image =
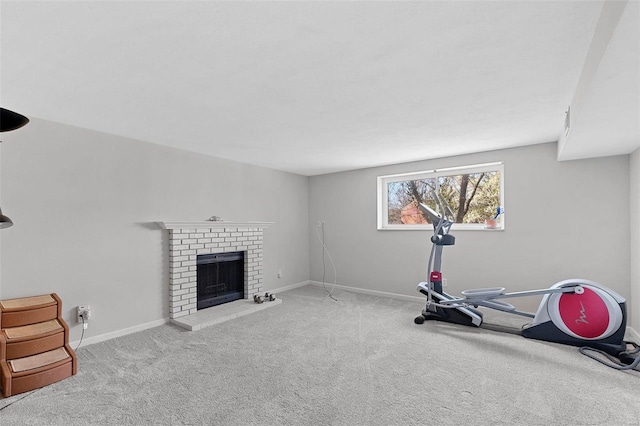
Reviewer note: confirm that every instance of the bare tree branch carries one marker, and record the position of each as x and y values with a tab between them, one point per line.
473	194
464	182
413	188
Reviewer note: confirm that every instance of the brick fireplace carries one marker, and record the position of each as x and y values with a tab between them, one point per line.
188	240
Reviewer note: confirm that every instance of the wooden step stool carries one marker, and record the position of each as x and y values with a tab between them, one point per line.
34	344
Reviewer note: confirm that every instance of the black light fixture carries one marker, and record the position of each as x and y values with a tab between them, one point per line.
9	120
5	222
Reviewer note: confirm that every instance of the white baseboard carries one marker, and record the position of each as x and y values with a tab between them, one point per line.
118	333
289	287
113	334
372	292
632	335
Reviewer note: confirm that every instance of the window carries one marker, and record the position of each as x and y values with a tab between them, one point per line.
474	194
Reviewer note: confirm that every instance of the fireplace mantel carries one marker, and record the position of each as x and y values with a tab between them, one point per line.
212	224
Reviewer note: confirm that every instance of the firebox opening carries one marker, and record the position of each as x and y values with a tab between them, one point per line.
220	278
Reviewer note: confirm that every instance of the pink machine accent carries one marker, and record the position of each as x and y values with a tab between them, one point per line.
585	315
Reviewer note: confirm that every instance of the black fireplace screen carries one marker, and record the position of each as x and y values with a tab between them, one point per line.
220	278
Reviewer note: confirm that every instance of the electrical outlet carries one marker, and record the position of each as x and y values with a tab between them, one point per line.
79	313
444	282
83	314
279	273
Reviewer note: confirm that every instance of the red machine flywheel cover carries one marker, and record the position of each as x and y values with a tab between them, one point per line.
584	314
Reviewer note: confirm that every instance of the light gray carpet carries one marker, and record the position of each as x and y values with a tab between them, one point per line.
358	361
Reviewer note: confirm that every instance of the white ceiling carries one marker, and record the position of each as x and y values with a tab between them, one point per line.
315	87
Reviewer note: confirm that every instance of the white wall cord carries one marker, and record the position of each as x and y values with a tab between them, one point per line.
325	251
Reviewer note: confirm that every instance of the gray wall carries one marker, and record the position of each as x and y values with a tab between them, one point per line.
635	240
84	203
563	220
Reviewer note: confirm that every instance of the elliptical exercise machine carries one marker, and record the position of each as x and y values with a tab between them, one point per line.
574	312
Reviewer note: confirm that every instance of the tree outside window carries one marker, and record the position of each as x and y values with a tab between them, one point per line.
474	195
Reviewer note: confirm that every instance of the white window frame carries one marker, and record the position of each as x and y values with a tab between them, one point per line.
383	196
